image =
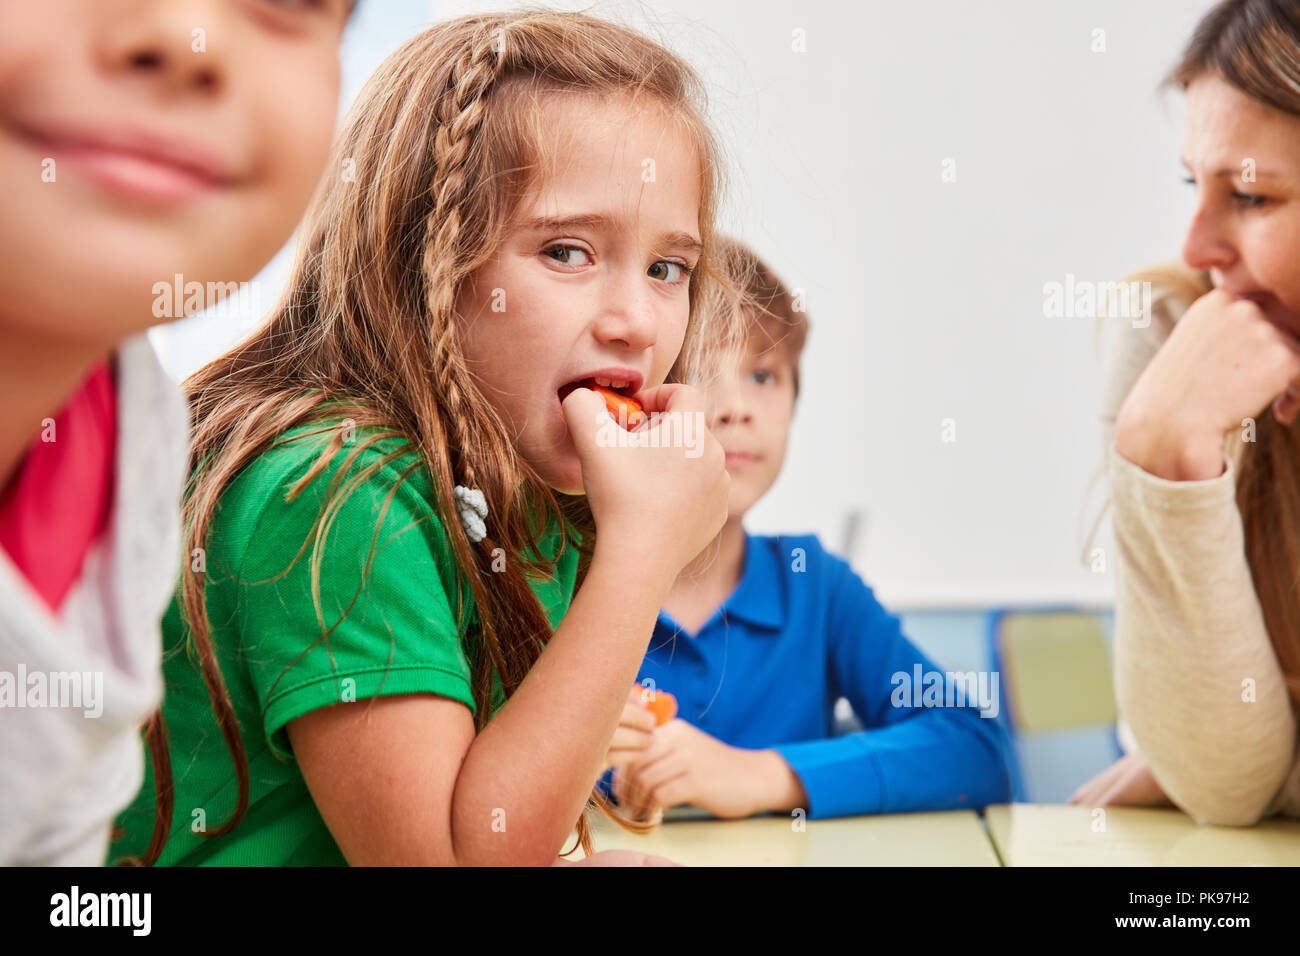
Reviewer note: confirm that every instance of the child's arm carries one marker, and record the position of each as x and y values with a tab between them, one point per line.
405	779
910	758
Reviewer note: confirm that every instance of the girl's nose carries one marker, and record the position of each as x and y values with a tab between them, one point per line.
629	317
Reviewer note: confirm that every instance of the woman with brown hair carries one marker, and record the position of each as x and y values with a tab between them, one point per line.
1205	463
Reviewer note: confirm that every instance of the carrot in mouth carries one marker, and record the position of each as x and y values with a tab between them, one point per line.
617	402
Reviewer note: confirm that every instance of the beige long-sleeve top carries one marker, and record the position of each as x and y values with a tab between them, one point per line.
1189	631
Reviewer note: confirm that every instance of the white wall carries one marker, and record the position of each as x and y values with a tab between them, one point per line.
926	297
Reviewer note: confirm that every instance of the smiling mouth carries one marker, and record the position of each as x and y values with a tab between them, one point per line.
133	163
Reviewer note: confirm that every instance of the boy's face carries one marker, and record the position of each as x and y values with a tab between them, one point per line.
750	408
141	139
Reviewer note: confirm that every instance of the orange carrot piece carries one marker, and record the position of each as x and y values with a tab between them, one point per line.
616	401
663	705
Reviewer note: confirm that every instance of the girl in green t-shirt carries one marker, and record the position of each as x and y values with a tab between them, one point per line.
399	481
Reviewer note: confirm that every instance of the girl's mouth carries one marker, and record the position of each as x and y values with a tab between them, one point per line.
617	394
621	386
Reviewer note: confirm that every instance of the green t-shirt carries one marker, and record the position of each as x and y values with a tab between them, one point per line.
400	636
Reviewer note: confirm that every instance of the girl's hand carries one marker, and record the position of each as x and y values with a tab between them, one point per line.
657	506
634	734
1126	782
683	764
1224	362
617	858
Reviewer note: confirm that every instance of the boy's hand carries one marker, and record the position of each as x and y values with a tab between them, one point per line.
634	733
683	764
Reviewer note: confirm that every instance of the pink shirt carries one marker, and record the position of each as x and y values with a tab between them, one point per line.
59	500
70	754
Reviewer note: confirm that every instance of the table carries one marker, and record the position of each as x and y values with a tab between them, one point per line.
1036	835
955	838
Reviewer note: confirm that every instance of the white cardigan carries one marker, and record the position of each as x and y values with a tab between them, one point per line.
66	772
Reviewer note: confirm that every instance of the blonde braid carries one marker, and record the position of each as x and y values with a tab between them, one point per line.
459	115
440	154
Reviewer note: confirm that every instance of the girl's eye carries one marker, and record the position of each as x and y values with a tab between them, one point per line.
762	376
567	255
664	270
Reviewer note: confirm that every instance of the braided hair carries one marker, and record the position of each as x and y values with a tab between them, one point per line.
433	159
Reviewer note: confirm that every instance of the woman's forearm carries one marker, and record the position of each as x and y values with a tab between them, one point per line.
1196	674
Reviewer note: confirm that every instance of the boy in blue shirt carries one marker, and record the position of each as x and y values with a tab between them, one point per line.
761	636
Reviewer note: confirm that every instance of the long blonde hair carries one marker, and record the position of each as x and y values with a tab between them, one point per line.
1254	45
435	156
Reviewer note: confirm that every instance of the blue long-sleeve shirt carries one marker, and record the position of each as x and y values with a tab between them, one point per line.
800	631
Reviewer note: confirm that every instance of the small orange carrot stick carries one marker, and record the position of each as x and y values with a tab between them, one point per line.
663	705
616	402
